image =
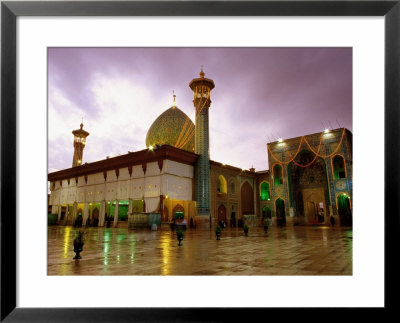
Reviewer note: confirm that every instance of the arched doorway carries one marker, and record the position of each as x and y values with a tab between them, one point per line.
95	217
308	187
344	210
280	211
247	199
221	213
63	212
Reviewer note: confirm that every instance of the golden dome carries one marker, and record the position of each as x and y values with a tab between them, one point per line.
173	127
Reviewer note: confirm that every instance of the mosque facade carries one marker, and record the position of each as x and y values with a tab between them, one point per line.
309	178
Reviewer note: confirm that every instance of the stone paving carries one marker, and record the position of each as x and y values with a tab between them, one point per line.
283	251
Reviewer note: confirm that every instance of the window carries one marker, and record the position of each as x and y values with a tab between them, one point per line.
338	167
278	175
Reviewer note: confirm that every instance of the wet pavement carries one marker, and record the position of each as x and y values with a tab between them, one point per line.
283	251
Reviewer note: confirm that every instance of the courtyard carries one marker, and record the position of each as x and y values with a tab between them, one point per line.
299	250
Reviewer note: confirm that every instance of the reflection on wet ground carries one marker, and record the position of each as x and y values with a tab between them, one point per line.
283	251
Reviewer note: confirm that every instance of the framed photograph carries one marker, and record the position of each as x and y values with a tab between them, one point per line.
275	190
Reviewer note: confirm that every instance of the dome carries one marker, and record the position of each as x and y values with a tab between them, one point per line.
173	127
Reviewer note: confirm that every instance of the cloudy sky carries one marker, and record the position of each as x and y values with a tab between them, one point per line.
260	94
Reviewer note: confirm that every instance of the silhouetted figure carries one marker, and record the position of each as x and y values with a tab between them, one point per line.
233	220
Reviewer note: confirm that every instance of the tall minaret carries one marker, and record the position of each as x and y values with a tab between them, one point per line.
79	144
201	88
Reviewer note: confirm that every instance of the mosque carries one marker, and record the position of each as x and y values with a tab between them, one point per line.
308	180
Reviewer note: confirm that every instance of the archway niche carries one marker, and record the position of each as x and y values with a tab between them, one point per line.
338	167
247	199
264	191
221	185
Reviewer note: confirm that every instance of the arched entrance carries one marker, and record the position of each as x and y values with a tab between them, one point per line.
63	212
247	199
221	213
95	217
308	187
280	211
344	210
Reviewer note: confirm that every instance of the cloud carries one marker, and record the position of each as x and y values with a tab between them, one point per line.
260	94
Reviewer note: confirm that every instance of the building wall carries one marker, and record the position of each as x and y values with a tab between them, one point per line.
173	180
231	200
326	146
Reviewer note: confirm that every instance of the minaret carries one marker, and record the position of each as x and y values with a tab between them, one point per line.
79	144
201	88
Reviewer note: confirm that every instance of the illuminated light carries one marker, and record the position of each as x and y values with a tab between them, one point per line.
66	240
166	196
280	140
151	148
79	161
326	131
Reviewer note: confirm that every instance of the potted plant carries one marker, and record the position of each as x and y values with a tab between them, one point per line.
218	231
246	230
179	236
266	225
79	241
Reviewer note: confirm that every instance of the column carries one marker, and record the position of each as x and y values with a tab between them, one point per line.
130	207
256	193
116	213
331	193
59	213
85	213
66	215
102	213
74	212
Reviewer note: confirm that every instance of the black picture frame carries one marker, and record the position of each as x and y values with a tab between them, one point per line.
10	10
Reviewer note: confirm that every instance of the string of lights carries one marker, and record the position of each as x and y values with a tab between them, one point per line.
187	137
333	153
316	153
183	131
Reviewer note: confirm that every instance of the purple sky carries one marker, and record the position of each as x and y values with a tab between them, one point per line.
260	94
